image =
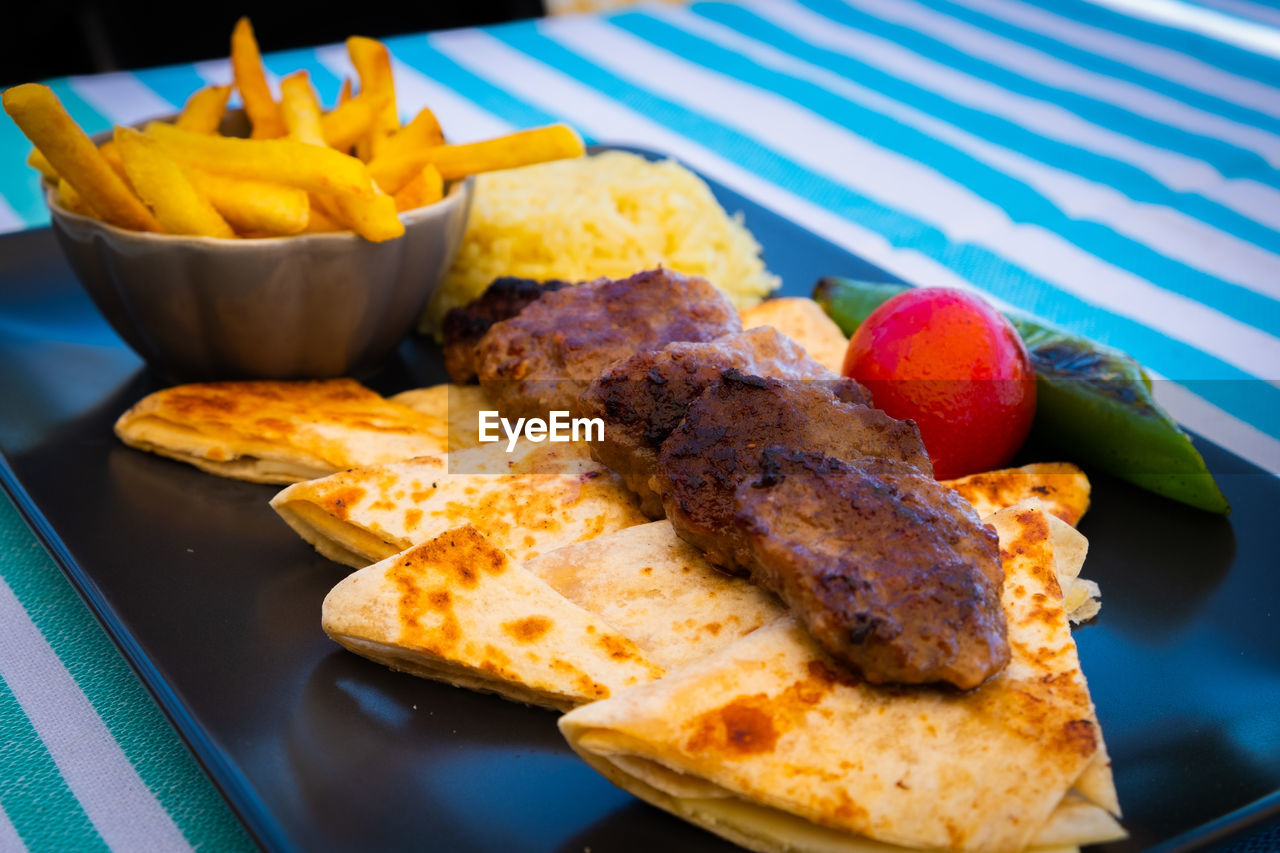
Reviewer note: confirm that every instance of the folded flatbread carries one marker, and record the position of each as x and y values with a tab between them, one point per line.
457	609
804	321
533	500
770	744
1081	598
279	432
460	405
1061	487
657	589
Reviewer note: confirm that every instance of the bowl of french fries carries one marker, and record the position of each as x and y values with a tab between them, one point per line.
280	240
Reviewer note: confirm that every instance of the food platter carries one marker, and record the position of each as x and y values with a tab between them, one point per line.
216	603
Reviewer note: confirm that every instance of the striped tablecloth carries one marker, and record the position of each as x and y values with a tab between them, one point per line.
1110	166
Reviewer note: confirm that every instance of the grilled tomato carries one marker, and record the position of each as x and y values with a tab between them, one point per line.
950	362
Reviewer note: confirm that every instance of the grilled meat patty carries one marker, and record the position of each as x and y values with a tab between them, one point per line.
717	446
544	358
893	574
642	399
466	325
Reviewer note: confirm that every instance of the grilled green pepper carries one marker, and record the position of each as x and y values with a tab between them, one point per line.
1092	401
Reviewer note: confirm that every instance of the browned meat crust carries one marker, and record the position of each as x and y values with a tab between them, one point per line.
643	398
544	358
466	325
718	445
893	574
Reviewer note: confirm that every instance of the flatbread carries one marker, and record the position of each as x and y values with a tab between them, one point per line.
1061	486
459	405
657	589
769	743
536	499
279	432
660	592
457	609
1082	598
804	321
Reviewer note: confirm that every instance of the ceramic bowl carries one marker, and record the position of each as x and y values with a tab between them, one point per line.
308	306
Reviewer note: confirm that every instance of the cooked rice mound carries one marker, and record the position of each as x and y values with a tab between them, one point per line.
612	214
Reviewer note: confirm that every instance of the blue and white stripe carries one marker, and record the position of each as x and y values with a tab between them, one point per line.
1112	172
1112	166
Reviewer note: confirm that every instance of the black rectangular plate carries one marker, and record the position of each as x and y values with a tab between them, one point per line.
216	603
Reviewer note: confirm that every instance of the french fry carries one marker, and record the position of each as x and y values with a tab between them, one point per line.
553	142
321	223
373	217
322	206
41	164
111	154
44	121
285	161
300	109
372	62
251	80
426	187
349	122
423	132
72	200
178	205
203	111
295	174
254	207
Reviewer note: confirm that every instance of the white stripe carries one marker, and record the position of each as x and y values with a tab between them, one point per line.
1179	172
1054	72
461	119
606	119
1157	59
1244	9
1185	16
1171	232
118	803
9	218
899	182
609	121
121	97
10	841
215	72
1224	429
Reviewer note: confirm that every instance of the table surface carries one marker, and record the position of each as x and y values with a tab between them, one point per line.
1108	166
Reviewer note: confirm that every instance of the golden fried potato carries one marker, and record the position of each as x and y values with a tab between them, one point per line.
179	206
43	120
251	81
524	148
350	121
254	207
204	110
300	109
372	61
41	164
421	133
285	161
427	187
72	200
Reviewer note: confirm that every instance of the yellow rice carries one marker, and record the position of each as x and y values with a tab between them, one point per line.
610	215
